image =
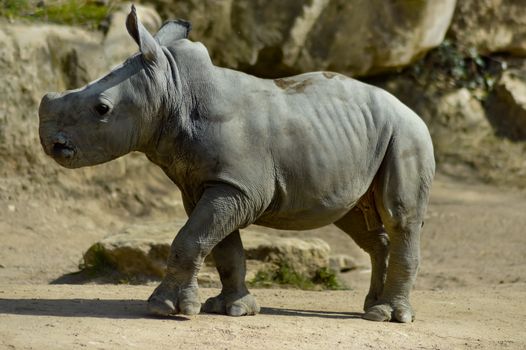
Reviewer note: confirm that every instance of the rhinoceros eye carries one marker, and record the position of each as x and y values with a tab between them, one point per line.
102	109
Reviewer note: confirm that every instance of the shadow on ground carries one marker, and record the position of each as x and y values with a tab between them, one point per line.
129	309
118	309
309	313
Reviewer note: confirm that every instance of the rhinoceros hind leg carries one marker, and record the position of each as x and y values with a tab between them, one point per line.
372	238
232	305
398	311
401	194
234	300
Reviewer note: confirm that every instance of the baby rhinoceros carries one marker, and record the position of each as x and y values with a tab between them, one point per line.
294	153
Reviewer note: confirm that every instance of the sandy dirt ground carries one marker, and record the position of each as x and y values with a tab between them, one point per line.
470	293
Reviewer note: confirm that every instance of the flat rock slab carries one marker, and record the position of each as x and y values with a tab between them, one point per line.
141	251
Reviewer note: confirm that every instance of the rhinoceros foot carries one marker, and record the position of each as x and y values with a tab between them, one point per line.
232	305
394	311
169	300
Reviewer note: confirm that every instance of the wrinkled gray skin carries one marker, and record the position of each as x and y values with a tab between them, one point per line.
294	153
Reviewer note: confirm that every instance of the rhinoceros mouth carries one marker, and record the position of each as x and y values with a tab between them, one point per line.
62	150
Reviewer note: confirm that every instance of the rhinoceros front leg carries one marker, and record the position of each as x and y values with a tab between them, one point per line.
234	300
220	211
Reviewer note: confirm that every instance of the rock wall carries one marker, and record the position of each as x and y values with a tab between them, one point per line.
388	40
274	38
36	58
491	25
507	104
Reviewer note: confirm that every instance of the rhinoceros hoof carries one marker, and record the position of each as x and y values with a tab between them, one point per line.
168	301
232	305
394	311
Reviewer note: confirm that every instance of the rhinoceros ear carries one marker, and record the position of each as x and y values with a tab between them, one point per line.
171	31
147	44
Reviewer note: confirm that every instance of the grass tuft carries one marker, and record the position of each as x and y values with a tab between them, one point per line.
87	13
96	261
285	275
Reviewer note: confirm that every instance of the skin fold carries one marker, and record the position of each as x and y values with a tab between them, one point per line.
294	153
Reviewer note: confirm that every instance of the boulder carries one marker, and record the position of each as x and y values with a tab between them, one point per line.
275	38
459	111
342	263
507	104
491	26
459	122
455	117
304	255
141	251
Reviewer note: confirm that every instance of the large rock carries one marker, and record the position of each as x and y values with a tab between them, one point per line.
273	38
459	122
507	104
455	117
141	251
463	129
306	256
491	25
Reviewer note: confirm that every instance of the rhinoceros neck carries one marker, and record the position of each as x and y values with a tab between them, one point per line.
188	101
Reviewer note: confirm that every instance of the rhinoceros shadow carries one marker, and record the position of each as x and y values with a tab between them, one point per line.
309	313
107	308
128	309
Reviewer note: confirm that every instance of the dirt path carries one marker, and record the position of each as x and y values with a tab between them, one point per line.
96	317
470	293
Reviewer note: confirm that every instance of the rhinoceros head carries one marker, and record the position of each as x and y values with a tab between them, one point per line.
119	112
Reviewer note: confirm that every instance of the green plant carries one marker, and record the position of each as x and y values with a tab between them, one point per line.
327	278
14	8
73	12
451	67
96	262
284	274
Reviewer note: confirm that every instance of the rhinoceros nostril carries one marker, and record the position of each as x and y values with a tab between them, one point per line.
62	150
60	139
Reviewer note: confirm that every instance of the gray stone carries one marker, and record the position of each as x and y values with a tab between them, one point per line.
141	251
277	37
35	58
507	104
342	263
491	26
459	123
306	256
